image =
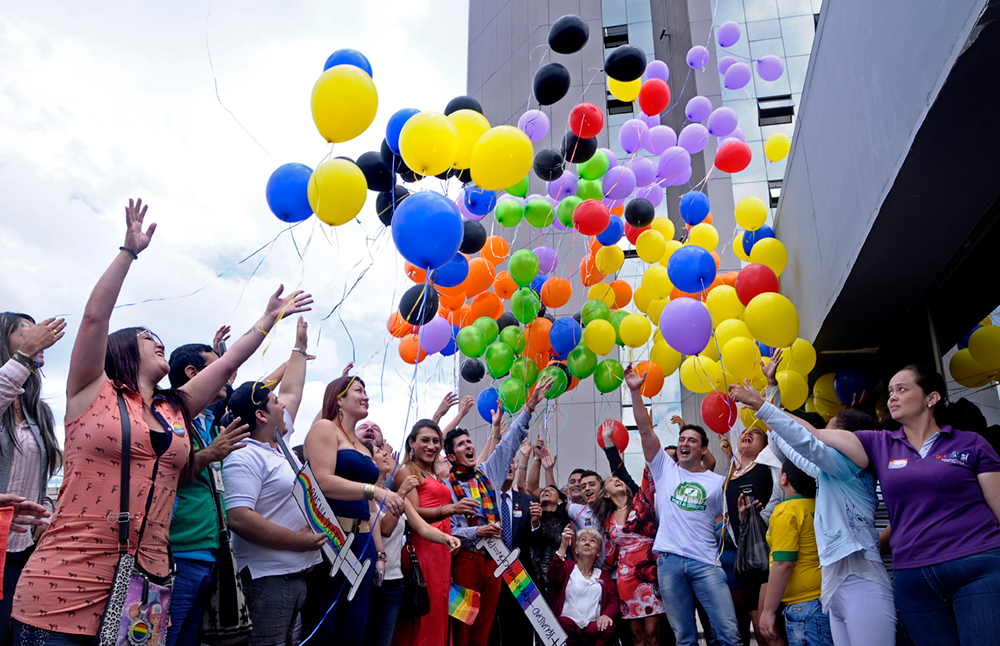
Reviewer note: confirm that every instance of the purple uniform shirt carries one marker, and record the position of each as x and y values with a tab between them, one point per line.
936	506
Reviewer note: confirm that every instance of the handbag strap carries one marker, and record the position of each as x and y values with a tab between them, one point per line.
124	517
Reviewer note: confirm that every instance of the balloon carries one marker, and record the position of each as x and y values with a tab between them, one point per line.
590	190
770	252
395	125
698	108
410	350
470	126
665	357
472	341
669	249
691	269
501	158
739	357
595	167
435	336
728	34
619	435
520	189
565	186
725	63
377	174
560	379
640	213
800	357
509	213
658	70
967	371
608	376
654	96
722	122
656	282
486	403
686	325
565	335
397	325
632	135
589	275
704	235
581	362
568	34
548	164
984	346
613	232
777	146
698	374
824	392
751	213
752	237
635	330
577	150
499	359
551	83
513	336
287	192
626	91
650	246
694	207
718	412
591	217
733	157
673	162
523	267
539	213
609	259
770	67
495	250
586	120
850	383
535	124
697	57
348	57
473	371
660	139
623	293
337	189
387	202
753	280
724	304
344	101
772	319
525	304
567	206
463	103
737	76
794	389
473	237
429	143
556	292
619	182
652	194
453	273
599	335
427	229
525	369
655	309
485	305
644	170
625	63
489	328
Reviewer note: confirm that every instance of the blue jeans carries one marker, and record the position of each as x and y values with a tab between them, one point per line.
952	602
192	586
806	624
25	635
383	612
11	573
681	581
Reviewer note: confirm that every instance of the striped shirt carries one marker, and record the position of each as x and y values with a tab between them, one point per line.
28	460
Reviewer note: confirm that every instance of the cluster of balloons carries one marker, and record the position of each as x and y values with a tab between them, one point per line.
977	362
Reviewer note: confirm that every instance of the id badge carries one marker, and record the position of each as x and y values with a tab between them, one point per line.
216	470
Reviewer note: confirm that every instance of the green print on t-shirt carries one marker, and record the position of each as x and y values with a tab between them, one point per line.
689	496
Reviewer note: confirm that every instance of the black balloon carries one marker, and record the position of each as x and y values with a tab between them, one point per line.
419	305
551	83
576	150
548	164
473	238
547	316
625	63
568	34
387	202
345	158
396	164
507	319
473	370
463	103
578	317
464	175
377	174
640	213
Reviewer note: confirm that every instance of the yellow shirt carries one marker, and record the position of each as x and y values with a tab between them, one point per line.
792	538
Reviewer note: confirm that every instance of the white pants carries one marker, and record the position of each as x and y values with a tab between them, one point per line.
862	612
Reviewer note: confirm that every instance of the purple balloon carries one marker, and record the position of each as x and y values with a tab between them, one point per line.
632	134
435	336
728	34
686	325
698	108
738	134
658	70
653	193
520	200
619	182
770	67
737	76
660	138
673	161
644	170
547	259
693	138
612	157
651	120
612	203
558	226
534	123
565	186
725	63
697	57
722	122
684	178
466	213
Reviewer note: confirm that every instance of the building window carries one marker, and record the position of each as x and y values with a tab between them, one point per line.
775	110
774	191
615	36
618	107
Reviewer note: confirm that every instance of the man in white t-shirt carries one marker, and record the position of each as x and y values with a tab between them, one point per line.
688	500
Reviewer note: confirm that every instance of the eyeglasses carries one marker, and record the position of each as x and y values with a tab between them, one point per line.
149	336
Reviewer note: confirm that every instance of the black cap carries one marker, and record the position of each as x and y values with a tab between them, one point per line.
246	400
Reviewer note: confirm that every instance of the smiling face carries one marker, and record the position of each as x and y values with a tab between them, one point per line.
907	401
574	485
152	359
752	443
465	452
425	447
368	431
355	402
689	449
384	462
589	486
549	496
614	487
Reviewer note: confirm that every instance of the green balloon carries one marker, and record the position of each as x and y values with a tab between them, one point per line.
514	337
616	322
524	304
499	359
513	394
526	370
590	190
593	310
581	361
559	381
523	267
565	210
520	189
508	213
489	328
609	375
472	342
539	213
595	167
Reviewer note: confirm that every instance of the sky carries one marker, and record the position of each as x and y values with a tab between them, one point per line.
103	102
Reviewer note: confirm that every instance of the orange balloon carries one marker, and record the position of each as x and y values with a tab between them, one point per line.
708	219
595	245
486	304
729	278
457	290
623	293
618	210
541	360
463	316
589	274
573	382
451	301
504	285
654	378
410	350
480	278
715	283
536	334
676	293
718	260
556	292
495	251
397	326
414	273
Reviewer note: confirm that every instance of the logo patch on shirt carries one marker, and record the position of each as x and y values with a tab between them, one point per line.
690	496
897	464
178	429
954	458
517	513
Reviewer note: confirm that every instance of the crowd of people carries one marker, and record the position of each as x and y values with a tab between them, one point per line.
777	543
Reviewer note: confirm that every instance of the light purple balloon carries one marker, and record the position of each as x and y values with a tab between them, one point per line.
698	108
436	335
697	57
684	178
737	76
466	213
564	186
686	325
611	203
725	63
551	200
619	182
558	225
508	196
693	138
653	193
644	170
770	67
722	122
728	34
651	120
672	162
725	140
738	134
632	135
658	70
534	123
660	138
612	157
547	259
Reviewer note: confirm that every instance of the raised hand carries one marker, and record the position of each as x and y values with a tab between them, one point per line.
525	448
771	368
497	419
568	534
536	397
449	400
746	395
549	460
135	240
726	448
221	336
409	484
41	336
632	380
677	421
227	441
301	334
347	369
278	307
607	429
536	513
467	403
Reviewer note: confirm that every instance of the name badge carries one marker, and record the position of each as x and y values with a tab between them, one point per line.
517	513
216	470
587	522
631	516
897	464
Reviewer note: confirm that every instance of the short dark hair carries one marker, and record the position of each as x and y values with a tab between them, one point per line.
576	471
190	354
672	446
246	400
591	474
800	481
815	419
449	439
852	419
698	429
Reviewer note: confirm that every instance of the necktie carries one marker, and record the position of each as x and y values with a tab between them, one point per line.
508	533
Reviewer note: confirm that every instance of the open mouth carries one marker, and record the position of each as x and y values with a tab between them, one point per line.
684	451
470	455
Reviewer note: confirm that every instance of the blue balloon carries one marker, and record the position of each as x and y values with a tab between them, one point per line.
849	383
349	57
427	229
452	346
395	126
453	273
487	402
750	238
565	334
479	201
964	343
694	207
691	269
613	233
765	351
538	283
287	192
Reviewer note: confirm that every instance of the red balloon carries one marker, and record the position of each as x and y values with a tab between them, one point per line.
718	412
591	217
753	280
633	233
654	96
586	120
733	157
619	435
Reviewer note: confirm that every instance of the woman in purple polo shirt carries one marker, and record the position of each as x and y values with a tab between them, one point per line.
942	488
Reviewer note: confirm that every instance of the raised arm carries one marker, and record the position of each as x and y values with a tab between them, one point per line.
615	462
650	442
16	371
463	409
522	469
449	400
532	487
496	466
290	393
496	434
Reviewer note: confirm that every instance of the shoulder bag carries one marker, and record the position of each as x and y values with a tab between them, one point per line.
416	600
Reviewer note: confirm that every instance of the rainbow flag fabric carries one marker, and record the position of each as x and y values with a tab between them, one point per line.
520	584
463	604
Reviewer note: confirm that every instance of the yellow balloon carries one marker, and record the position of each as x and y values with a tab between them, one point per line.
428	143
730	329
650	246
655	309
599	335
739	356
656	282
826	409
602	292
711	350
723	304
751	213
471	126
501	158
666	357
626	91
759	380
800	357
669	249
609	260
665	226
337	190
635	330
777	146
967	371
699	374
824	392
770	252
738	247
749	418
984	346
641	299
810	405
794	389
772	320
705	236
344	102
657	337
